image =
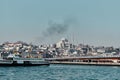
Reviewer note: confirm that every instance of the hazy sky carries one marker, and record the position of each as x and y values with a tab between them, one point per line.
94	22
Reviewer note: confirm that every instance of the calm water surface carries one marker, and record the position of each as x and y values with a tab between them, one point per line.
60	72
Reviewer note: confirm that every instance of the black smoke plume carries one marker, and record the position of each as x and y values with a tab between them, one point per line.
55	29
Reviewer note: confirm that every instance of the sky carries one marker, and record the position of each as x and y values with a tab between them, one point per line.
93	22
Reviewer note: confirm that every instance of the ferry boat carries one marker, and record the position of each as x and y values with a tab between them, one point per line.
17	61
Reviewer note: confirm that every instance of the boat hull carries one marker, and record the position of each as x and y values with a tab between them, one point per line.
8	65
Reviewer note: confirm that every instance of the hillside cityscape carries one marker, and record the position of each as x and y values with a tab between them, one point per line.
63	48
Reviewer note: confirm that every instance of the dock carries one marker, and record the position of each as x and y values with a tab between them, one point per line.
86	63
87	60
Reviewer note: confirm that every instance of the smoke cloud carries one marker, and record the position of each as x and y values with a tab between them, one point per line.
56	29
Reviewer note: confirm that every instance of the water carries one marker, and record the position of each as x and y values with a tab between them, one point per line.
60	72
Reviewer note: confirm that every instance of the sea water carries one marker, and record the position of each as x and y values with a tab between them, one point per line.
60	72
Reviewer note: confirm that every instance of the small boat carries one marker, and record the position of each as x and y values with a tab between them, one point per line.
17	61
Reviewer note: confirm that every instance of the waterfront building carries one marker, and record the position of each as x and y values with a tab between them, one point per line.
63	43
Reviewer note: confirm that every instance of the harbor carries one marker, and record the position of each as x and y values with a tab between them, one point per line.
63	52
59	39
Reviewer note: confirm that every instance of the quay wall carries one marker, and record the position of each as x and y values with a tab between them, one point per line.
100	61
85	63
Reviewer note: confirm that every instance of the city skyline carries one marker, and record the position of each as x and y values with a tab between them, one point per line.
89	21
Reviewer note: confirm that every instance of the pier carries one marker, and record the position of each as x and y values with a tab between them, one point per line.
87	60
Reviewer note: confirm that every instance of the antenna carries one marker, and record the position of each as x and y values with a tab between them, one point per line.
72	38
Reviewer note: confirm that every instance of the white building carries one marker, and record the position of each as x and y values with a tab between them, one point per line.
63	43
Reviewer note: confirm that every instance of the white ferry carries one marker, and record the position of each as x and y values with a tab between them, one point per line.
17	61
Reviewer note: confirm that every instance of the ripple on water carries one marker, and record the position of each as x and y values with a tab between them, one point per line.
60	72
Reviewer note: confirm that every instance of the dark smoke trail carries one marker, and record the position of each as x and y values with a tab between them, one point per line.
55	29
